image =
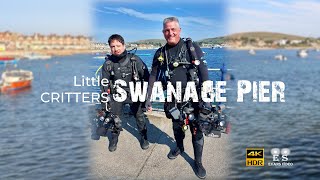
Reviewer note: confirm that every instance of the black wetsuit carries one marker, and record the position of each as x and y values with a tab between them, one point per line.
180	73
126	73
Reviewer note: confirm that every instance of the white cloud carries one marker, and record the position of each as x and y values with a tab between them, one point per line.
189	21
129	35
192	26
196	20
137	14
101	11
306	6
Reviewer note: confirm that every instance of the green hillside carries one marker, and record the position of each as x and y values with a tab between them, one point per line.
216	40
155	42
266	36
245	37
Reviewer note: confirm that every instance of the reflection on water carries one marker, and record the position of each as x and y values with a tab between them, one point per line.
39	140
22	91
293	124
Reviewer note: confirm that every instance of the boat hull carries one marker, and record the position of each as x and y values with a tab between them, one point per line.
15	80
16	86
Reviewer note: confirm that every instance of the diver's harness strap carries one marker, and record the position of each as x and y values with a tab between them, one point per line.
211	120
181	60
122	70
135	72
193	72
105	119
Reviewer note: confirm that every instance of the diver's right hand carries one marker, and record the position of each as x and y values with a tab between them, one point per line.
148	106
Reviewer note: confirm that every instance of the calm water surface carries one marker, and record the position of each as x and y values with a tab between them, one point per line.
50	140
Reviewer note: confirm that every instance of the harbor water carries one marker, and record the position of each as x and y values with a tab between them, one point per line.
50	140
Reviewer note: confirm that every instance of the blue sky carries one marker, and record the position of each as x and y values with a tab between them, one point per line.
143	19
46	16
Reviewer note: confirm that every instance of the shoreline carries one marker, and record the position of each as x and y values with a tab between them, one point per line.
265	48
22	53
270	48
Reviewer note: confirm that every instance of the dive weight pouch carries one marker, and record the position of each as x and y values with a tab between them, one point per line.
175	113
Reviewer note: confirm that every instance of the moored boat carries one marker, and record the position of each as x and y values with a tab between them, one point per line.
6	58
15	80
252	52
280	57
34	56
302	53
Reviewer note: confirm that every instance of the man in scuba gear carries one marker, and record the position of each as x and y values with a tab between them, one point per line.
130	68
179	60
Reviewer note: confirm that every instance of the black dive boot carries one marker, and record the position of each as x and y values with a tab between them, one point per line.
178	136
175	153
144	143
114	141
95	137
179	149
199	169
94	134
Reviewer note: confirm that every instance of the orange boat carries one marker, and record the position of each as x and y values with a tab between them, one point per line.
6	58
15	80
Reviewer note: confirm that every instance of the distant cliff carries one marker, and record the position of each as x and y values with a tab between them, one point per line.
154	42
262	40
246	40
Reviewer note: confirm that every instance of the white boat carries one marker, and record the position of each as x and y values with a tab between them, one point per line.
216	46
34	56
252	52
15	80
302	53
280	57
99	57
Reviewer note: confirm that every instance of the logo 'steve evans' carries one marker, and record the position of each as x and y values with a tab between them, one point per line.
280	157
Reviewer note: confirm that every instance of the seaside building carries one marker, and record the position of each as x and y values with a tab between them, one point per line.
16	41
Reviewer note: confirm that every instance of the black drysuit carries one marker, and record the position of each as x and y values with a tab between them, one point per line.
180	73
121	67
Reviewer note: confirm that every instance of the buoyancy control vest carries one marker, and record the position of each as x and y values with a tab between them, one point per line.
126	70
187	58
